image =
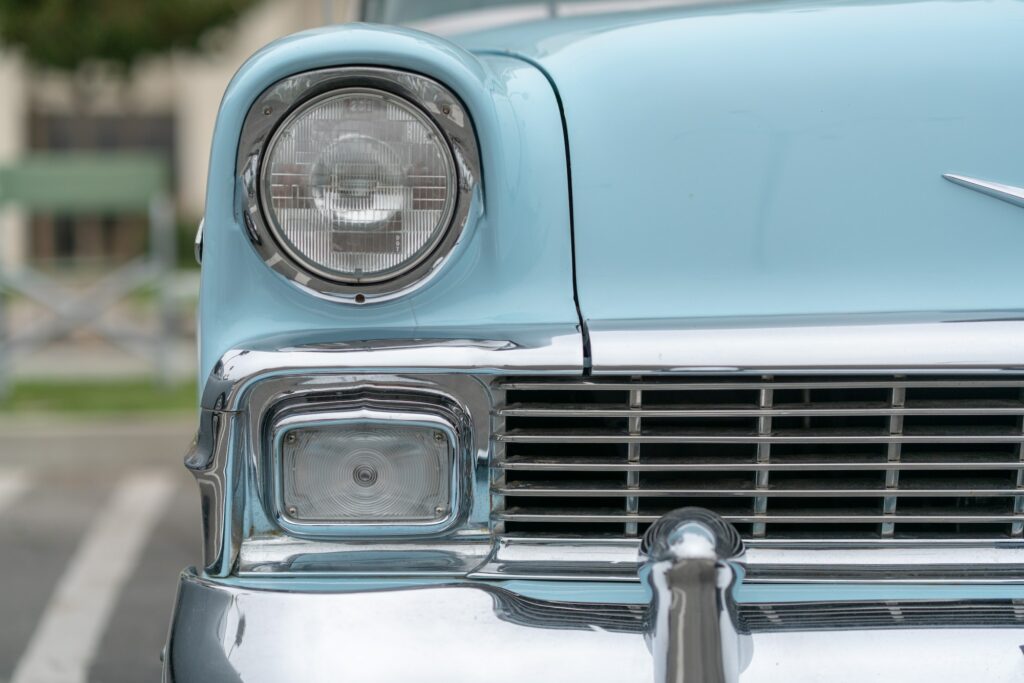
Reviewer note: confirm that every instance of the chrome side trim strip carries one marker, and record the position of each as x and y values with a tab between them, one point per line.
777	346
986	563
1008	193
541	349
894	561
613	559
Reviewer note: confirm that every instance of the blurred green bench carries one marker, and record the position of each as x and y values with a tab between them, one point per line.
90	184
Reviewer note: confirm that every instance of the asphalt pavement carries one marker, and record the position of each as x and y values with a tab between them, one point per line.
97	518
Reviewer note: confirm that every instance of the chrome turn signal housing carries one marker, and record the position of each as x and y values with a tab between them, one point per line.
365	464
365	468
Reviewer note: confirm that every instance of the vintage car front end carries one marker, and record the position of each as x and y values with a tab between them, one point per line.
650	347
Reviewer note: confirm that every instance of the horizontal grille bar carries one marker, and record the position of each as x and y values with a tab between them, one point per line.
514	515
808	457
583	491
606	465
559	436
655	384
554	410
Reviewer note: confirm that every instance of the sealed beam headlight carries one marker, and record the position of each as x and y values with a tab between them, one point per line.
359	185
366	470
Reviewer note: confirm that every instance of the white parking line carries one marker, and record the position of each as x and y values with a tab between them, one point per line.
66	637
13	482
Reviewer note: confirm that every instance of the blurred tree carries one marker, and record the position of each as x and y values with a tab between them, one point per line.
67	33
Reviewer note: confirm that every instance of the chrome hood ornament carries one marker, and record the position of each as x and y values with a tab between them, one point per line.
1008	193
690	558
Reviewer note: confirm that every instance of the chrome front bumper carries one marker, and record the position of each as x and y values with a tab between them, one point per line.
470	632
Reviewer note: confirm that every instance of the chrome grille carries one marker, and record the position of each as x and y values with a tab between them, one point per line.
782	458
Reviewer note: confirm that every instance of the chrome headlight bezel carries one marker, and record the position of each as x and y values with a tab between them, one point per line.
276	105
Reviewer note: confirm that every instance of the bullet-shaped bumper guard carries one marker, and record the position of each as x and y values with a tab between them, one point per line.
690	560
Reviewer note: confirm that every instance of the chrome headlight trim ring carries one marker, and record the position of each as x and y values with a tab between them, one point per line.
278	103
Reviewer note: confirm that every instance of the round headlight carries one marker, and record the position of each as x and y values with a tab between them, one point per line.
358	186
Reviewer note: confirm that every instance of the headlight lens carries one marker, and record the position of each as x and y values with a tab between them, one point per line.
365	472
359	185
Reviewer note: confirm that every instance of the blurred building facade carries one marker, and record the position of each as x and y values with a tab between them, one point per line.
166	105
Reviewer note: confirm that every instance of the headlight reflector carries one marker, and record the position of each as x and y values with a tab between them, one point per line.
366	471
359	185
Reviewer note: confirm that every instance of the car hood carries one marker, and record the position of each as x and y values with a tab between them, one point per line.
787	159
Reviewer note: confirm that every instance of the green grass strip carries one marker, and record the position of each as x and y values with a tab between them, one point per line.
99	396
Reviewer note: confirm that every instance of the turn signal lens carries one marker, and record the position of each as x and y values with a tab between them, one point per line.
366	472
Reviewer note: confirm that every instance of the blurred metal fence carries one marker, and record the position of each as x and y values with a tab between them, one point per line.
79	184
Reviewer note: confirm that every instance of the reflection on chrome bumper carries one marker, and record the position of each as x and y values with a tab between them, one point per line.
472	631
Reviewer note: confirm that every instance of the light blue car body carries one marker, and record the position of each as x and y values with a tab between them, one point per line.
780	159
786	158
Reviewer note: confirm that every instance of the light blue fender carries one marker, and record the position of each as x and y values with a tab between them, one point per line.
515	264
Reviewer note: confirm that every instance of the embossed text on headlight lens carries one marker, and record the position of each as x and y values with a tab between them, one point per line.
359	185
